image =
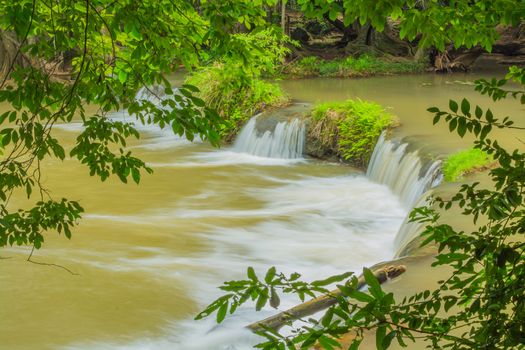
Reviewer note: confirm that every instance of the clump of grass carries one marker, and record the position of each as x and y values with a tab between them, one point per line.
464	162
363	66
348	129
235	95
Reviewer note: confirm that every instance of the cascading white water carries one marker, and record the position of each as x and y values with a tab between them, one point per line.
286	141
403	171
409	230
406	175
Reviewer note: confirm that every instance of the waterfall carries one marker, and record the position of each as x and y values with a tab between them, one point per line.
403	171
285	141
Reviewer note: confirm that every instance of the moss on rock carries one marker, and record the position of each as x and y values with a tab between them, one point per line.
465	162
347	130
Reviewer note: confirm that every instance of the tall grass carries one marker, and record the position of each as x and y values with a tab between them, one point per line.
365	65
349	129
463	162
235	95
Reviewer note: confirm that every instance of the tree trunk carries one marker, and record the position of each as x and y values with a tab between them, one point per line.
456	60
283	15
9	54
320	303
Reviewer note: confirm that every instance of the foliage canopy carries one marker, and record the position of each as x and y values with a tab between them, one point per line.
108	50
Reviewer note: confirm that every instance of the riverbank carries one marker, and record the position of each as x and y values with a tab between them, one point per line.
350	67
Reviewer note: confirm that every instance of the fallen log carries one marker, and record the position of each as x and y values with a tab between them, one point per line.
320	303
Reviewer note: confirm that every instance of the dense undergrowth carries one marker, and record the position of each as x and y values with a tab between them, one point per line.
237	91
234	96
363	66
463	162
348	130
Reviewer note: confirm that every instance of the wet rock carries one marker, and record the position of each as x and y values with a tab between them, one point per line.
300	35
314	27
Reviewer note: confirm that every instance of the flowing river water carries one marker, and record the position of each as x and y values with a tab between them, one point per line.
148	258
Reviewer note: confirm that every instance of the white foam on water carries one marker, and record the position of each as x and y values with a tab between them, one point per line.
153	136
226	157
408	177
316	226
286	141
403	171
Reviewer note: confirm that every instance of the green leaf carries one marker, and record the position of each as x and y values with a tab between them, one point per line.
275	301
332	279
328	343
135	174
251	274
380	336
479	112
453	123
221	314
122	76
465	107
261	300
373	283
360	296
387	340
453	105
333	14
355	344
270	275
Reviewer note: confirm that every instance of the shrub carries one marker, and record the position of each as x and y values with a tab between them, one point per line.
365	65
305	67
235	95
348	129
463	162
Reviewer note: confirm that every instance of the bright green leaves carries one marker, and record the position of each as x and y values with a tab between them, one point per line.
28	226
350	307
234	94
373	284
462	121
101	53
351	128
438	24
265	291
457	164
93	149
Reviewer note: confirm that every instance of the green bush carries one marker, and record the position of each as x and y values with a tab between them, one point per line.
365	65
235	95
463	162
306	66
349	129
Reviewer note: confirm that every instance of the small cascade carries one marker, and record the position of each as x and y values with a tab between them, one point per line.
286	140
409	230
403	171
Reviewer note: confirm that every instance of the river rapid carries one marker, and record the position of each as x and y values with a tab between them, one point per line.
148	258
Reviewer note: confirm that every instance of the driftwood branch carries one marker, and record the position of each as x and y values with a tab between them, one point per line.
320	303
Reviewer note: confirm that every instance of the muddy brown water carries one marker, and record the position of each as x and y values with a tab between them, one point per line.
149	257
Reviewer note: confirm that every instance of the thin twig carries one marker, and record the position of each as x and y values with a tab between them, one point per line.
49	264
